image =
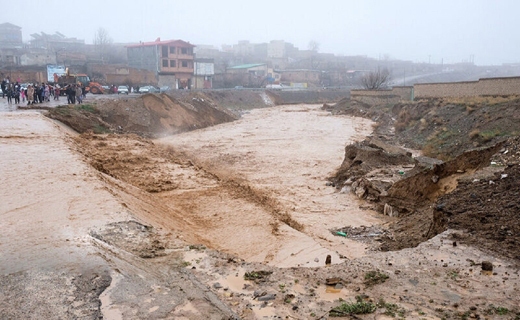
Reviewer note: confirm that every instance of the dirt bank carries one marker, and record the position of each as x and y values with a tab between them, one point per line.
473	134
149	115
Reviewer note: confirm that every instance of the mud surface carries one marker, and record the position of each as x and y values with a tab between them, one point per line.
239	221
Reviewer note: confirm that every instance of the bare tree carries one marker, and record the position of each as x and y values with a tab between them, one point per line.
313	46
102	41
375	80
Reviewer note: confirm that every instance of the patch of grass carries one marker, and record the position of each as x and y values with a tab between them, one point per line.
392	309
375	277
63	110
100	129
501	311
488	135
256	275
346	308
289	298
480	100
197	247
86	107
453	275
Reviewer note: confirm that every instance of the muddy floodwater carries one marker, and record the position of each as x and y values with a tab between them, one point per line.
287	152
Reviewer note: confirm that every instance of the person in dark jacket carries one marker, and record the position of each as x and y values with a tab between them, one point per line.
4	87
9	93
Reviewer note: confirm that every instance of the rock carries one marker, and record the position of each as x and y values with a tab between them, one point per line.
267	297
328	260
217	285
487	266
338	286
360	192
388	210
332	281
435	179
316	260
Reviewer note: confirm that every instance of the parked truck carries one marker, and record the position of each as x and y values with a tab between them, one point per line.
81	79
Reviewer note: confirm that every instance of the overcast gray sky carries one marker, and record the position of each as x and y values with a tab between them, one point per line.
420	31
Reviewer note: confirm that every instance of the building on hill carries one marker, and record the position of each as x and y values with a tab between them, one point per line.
251	75
56	42
203	73
10	36
171	60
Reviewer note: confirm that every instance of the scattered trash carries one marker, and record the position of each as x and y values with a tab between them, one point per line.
340	233
504	175
401	172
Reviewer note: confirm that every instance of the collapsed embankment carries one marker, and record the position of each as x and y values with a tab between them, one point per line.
424	193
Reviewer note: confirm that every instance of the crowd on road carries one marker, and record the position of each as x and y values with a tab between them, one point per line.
35	93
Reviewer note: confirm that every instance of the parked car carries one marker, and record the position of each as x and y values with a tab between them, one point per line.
148	89
275	86
164	89
122	89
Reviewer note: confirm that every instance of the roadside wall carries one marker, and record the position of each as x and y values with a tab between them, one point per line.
482	87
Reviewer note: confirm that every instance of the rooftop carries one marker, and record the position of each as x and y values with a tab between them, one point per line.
158	42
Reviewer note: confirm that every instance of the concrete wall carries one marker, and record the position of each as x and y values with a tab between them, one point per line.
482	87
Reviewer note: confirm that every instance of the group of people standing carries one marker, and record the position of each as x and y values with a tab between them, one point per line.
75	93
41	93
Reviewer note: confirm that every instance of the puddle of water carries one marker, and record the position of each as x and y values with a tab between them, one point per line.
196	258
264	312
330	294
109	311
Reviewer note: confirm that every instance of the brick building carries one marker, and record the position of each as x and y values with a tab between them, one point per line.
172	61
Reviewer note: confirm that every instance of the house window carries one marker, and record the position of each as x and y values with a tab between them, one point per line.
172	50
173	64
184	50
165	63
164	51
184	64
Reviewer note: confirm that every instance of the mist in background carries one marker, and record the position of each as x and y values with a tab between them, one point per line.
478	31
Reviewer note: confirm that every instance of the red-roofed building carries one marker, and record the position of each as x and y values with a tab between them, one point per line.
171	60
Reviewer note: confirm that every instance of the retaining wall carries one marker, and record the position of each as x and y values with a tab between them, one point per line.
482	87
